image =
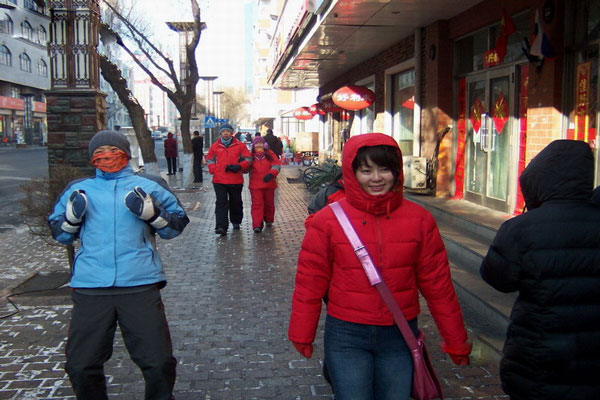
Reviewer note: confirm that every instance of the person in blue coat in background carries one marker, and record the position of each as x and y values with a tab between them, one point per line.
117	273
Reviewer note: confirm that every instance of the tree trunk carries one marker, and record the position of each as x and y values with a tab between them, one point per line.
112	74
187	159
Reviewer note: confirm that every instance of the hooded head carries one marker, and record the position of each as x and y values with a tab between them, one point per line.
375	204
109	138
563	170
260	140
170	135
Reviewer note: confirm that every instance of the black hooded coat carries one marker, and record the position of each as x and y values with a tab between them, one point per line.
551	256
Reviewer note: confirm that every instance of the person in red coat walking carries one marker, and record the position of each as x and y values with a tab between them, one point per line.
226	159
263	182
365	351
171	154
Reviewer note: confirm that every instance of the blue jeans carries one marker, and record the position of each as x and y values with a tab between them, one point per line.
368	362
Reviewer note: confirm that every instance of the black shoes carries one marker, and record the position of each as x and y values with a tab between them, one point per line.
236	227
258	229
220	231
269	223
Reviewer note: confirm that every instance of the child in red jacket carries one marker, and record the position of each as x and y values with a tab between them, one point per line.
265	168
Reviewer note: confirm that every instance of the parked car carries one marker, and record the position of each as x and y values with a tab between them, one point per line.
157	135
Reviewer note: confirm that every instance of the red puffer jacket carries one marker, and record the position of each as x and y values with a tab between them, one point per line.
404	243
219	157
262	167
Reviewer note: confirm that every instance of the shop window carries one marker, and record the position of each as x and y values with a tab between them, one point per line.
403	105
5	56
6	25
26	30
25	62
291	126
470	50
42	68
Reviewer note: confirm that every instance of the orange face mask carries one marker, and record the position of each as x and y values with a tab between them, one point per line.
107	161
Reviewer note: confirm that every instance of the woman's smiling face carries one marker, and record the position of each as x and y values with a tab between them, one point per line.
374	179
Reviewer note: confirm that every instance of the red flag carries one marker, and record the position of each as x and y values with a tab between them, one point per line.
507	28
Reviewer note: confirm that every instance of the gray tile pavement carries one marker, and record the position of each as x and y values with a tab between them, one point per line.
227	302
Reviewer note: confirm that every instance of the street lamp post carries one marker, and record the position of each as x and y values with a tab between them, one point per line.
217	97
209	104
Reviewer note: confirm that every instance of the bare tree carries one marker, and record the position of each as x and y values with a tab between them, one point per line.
233	103
153	61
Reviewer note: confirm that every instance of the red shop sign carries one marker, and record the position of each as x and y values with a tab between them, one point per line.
303	113
353	97
316	109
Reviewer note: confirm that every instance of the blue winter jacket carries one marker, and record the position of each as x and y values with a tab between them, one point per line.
117	249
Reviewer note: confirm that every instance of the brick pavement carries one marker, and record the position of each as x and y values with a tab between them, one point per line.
227	301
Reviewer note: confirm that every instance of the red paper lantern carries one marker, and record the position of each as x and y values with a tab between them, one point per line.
353	97
303	113
329	107
316	109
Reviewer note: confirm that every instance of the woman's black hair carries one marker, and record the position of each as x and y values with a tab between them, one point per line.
382	155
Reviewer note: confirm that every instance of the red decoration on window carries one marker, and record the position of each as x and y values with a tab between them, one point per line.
500	113
353	97
303	113
475	115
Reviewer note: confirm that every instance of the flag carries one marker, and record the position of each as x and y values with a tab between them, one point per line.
507	28
541	46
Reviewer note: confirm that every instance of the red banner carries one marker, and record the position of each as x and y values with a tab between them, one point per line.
523	96
12	103
461	122
582	103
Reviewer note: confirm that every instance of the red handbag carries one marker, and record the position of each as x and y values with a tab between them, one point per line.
425	383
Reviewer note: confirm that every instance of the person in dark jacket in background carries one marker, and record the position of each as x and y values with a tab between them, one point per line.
274	143
551	256
227	158
171	154
198	149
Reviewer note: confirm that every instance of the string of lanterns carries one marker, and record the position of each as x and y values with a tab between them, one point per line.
346	98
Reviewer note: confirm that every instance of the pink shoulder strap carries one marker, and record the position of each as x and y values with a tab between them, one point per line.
374	276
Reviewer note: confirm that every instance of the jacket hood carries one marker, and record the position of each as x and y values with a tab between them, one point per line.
563	170
358	198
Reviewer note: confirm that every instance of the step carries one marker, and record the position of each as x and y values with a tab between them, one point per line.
467	231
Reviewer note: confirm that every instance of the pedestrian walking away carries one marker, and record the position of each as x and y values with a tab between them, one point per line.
263	182
171	154
198	149
365	352
274	143
550	255
227	158
117	275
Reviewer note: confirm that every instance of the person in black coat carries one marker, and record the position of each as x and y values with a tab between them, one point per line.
551	256
198	149
274	143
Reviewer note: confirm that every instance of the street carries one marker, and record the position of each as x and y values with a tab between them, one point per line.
227	301
18	166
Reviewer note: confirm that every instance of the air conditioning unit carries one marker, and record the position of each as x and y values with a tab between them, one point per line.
415	172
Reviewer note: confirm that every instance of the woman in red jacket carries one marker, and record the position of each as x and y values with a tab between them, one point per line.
171	154
365	352
264	170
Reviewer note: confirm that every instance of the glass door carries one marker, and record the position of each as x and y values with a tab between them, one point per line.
490	114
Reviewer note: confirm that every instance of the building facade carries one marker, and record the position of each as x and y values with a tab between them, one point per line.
24	71
506	77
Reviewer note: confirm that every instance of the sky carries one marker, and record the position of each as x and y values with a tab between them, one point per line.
221	48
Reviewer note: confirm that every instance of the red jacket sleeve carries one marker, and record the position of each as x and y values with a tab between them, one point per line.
210	159
312	283
435	283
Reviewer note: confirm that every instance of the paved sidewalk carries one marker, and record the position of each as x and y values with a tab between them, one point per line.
227	301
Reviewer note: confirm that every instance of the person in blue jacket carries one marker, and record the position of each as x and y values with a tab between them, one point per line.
117	273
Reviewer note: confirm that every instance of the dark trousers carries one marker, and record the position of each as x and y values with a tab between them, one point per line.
198	168
172	164
141	318
229	201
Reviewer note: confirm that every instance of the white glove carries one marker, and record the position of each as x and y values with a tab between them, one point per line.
143	206
75	211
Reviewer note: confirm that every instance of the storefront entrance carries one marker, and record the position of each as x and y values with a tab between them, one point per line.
490	116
